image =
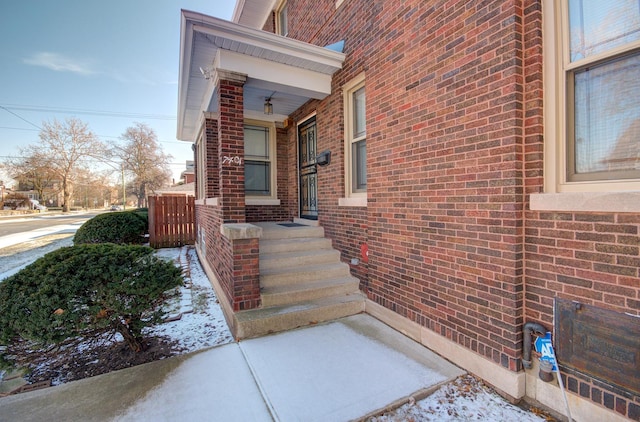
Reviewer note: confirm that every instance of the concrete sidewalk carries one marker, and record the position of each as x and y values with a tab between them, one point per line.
338	371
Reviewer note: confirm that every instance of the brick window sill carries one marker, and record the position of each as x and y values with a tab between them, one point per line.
586	201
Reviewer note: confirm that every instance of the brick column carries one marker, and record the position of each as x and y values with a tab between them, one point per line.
245	250
231	146
212	170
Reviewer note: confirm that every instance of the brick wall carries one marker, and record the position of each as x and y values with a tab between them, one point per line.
231	145
454	149
592	258
589	257
444	221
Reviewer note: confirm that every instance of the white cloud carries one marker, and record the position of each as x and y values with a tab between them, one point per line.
60	63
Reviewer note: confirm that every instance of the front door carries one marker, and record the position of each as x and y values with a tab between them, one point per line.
308	172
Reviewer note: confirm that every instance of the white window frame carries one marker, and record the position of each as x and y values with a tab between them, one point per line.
201	186
352	197
272	198
560	193
280	10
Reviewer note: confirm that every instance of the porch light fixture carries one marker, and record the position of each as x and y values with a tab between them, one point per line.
268	107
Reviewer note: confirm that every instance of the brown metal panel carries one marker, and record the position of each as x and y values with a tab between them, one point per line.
598	342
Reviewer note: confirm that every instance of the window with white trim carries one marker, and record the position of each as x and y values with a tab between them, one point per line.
282	19
355	133
592	95
259	160
200	168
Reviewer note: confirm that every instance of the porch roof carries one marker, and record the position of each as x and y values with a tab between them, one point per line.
289	71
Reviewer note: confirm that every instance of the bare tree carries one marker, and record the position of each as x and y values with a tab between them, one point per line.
31	172
144	159
64	150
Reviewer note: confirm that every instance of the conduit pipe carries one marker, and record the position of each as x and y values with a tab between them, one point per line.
529	328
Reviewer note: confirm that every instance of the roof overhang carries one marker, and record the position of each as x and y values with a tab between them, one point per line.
253	13
288	71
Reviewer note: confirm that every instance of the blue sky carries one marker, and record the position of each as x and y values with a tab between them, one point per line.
107	63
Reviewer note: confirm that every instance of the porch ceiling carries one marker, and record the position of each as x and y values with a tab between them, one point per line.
289	71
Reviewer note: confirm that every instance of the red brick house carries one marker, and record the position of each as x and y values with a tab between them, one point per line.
472	165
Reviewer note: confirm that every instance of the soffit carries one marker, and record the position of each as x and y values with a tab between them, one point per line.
289	71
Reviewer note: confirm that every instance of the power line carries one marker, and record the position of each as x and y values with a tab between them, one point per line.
69	110
20	117
100	136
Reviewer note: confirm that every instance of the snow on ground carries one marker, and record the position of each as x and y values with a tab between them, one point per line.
464	399
201	323
15	257
197	322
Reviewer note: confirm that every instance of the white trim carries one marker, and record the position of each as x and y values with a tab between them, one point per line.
347	90
555	67
339	3
267	73
195	91
273	161
278	12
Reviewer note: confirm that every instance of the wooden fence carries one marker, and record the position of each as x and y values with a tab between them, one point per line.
171	221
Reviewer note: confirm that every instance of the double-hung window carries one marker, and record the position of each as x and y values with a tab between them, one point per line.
282	19
592	95
355	139
259	171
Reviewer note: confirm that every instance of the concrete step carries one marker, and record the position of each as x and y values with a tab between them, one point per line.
286	295
272	277
291	245
298	258
272	231
273	319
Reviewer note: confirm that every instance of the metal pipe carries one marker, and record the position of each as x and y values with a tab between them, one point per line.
530	327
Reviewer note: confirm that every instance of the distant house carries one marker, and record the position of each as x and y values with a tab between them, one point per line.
453	156
189	175
186	189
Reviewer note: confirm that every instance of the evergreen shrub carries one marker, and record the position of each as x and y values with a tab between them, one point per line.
84	289
115	227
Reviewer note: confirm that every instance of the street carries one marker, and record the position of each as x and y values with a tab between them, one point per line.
10	226
23	240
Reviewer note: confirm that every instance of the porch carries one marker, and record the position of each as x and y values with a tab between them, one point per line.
300	279
238	87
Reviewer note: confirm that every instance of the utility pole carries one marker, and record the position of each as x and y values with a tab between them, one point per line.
124	193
